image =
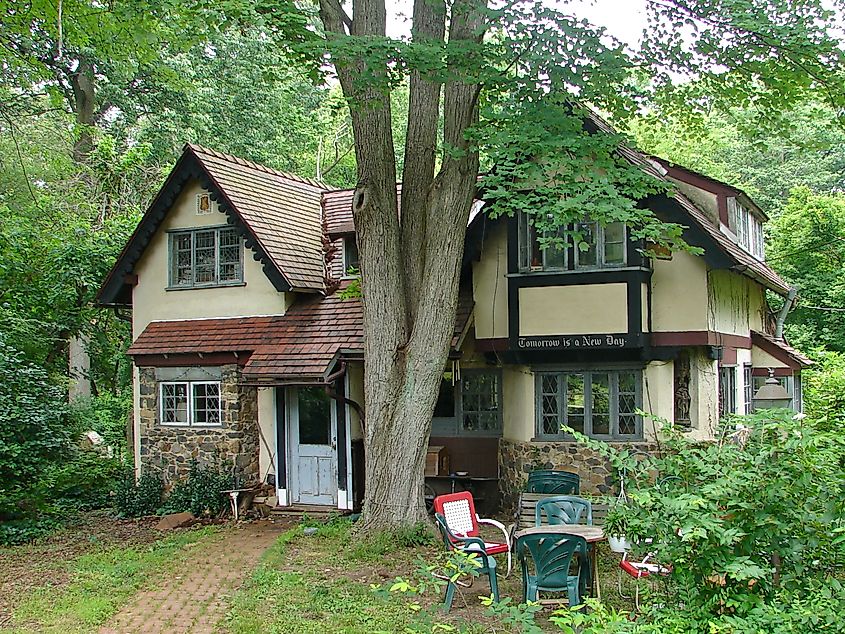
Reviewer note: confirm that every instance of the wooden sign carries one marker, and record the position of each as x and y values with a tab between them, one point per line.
576	342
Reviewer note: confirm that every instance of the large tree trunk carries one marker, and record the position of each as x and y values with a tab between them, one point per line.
410	272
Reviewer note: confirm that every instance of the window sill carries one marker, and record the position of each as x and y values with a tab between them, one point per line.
189	426
571	439
579	271
197	288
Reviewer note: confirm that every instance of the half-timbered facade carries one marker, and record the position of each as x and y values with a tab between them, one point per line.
246	355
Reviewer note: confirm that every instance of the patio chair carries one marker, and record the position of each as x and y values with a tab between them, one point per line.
553	554
563	509
458	511
551	481
487	565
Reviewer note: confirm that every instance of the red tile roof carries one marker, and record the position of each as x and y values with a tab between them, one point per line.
780	349
299	346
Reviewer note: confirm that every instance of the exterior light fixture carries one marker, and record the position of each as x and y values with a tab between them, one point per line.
771	395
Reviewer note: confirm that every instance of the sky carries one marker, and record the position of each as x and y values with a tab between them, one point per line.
624	19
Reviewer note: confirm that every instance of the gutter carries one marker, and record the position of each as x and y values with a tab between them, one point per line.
784	311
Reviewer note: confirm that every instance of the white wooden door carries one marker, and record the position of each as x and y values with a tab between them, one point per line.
313	443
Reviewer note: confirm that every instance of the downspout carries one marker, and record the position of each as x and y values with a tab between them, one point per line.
784	311
330	380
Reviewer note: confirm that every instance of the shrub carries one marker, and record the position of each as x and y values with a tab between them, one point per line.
138	498
200	493
106	414
744	521
33	433
84	481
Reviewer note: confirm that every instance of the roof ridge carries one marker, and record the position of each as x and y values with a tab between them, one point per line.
196	148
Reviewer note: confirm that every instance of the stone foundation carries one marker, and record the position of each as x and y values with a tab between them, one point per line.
233	446
517	459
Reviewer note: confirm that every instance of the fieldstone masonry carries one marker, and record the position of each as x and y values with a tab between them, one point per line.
170	450
517	459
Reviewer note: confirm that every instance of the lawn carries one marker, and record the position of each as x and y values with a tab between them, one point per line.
327	583
75	580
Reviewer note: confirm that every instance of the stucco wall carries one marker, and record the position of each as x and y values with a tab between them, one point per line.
234	446
736	303
490	286
762	359
152	301
679	294
517	403
707	201
573	310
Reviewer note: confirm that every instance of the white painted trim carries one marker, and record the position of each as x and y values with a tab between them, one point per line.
282	494
342	500
347	494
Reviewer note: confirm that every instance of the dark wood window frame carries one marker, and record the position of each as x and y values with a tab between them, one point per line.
218	279
453	426
560	398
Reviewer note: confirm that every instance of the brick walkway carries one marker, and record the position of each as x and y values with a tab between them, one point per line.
194	598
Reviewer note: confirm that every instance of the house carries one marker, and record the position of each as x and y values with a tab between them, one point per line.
246	354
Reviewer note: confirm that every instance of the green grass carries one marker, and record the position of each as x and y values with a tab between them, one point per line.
101	582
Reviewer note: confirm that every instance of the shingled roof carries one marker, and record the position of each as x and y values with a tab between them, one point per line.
743	262
780	349
278	214
299	347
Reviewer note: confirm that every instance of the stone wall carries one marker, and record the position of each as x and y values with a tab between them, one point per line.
169	451
518	458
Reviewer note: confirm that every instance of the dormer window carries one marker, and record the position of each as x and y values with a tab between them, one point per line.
205	257
351	264
604	245
747	228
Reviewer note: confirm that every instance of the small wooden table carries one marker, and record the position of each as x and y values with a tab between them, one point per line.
591	534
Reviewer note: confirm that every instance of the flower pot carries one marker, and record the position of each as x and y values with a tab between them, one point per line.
618	543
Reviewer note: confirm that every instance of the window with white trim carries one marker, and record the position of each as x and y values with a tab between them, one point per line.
747	227
727	390
748	388
190	403
792	385
205	257
598	403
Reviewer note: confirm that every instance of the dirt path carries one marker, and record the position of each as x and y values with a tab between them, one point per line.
194	598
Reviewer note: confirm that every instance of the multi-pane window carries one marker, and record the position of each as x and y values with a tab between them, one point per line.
595	403
190	403
205	257
601	246
748	388
535	257
727	390
470	406
480	402
792	385
747	227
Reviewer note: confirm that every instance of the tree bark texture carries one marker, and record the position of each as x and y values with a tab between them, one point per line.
410	264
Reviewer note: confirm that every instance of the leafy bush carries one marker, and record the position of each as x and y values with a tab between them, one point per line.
33	432
138	498
85	480
745	522
200	493
824	390
105	414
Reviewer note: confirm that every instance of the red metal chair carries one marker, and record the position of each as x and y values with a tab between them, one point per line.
458	510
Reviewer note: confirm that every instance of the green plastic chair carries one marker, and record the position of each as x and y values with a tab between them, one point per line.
563	509
553	555
467	545
551	481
